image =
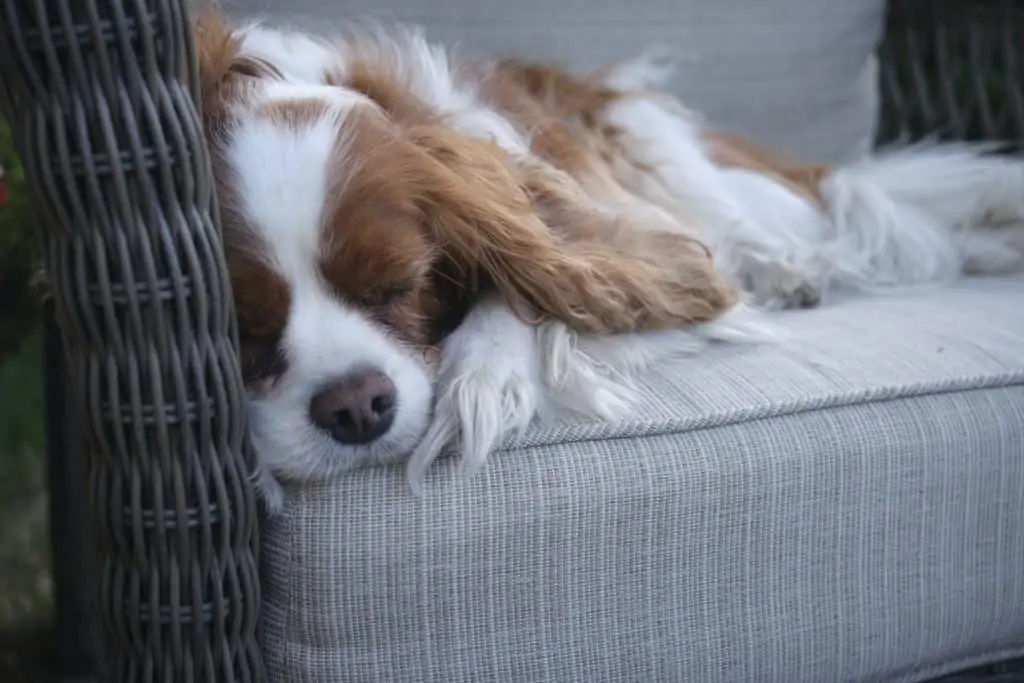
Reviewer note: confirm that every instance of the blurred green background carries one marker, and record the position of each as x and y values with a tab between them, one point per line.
25	586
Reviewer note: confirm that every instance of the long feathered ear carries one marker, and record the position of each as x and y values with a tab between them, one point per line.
549	252
224	74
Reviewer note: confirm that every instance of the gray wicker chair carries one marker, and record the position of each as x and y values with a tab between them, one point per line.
144	379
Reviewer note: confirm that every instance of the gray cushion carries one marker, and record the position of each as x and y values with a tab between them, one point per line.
796	74
848	506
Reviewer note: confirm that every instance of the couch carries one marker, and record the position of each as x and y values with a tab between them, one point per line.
847	506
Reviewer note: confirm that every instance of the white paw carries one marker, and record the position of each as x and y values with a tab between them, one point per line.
773	284
487	388
595	376
585	377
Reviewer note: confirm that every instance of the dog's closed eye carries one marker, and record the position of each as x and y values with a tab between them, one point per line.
387	305
387	295
262	358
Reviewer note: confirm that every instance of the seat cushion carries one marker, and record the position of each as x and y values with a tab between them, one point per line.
846	506
795	74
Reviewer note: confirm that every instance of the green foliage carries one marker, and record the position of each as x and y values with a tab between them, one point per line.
19	302
21	420
25	584
24	564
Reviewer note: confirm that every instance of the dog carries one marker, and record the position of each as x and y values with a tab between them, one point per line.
428	252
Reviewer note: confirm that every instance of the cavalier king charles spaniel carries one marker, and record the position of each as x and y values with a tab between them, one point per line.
428	252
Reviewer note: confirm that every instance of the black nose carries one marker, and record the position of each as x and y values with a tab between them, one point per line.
356	409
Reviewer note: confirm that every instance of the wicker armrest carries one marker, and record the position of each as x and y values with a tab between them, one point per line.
101	97
952	69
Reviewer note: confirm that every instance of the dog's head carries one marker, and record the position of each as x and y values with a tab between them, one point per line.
355	241
359	226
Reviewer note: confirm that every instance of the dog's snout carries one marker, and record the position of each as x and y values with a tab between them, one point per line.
356	409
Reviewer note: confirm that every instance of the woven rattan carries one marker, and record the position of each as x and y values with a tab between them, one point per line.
953	69
101	96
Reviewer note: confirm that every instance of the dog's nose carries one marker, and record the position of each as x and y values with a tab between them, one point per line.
356	409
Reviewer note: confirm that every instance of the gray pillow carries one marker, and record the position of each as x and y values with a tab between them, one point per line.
795	74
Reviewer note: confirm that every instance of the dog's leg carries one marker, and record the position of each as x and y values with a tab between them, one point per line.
594	376
488	386
659	136
758	229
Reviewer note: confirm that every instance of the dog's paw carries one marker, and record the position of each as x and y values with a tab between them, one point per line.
487	388
798	294
774	285
588	377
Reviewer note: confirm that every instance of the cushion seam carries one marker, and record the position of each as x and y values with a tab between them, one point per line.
629	430
964	663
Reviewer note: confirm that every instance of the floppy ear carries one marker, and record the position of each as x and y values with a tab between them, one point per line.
552	254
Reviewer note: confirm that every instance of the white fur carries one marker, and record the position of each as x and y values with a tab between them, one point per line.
282	174
427	70
300	57
917	216
488	386
649	71
499	374
594	376
402	52
745	219
924	214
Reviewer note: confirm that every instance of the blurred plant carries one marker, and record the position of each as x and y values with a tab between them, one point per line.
19	301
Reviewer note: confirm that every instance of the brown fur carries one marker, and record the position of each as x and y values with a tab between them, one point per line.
262	298
553	138
733	151
576	104
376	254
581	100
563	96
431	217
591	273
224	75
538	237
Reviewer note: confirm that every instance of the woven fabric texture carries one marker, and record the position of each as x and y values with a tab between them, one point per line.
846	506
796	74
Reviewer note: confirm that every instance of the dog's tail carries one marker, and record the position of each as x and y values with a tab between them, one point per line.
927	213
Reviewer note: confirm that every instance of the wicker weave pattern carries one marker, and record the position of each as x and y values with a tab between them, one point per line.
101	95
953	69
